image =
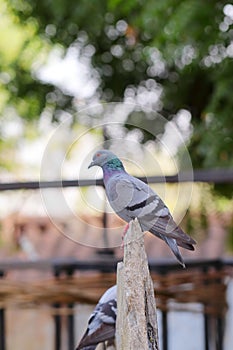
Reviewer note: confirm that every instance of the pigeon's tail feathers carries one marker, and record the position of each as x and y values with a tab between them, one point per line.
103	333
88	347
182	239
185	245
166	226
171	242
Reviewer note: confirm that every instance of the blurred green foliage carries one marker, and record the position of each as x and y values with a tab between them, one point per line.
184	45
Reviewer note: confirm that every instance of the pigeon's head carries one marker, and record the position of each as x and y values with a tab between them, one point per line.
105	157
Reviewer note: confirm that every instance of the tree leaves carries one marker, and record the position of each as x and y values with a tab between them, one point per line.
184	45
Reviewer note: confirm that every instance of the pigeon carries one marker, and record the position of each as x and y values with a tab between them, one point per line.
132	198
102	322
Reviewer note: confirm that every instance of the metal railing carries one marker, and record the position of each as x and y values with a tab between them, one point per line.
221	176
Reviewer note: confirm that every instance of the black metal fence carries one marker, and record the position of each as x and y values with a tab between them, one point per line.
221	176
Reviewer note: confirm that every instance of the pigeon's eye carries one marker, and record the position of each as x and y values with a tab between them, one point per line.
98	155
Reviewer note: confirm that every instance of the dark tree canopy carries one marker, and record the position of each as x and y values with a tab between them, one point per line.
186	46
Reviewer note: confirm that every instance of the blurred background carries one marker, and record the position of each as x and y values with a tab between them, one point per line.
152	81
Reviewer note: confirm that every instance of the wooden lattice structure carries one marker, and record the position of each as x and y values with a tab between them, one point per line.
185	286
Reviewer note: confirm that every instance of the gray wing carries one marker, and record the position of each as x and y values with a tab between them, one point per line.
101	325
131	198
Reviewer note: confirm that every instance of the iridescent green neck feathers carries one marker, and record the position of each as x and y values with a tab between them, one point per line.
114	164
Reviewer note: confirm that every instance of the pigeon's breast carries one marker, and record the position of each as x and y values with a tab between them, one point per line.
119	193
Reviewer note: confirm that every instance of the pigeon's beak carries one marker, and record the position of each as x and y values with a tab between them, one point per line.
91	164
